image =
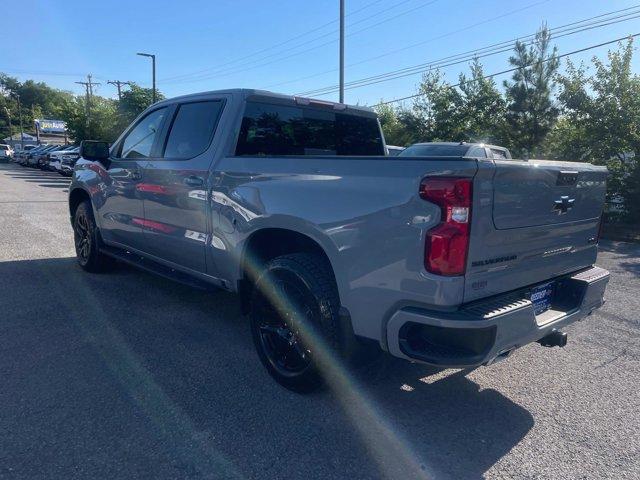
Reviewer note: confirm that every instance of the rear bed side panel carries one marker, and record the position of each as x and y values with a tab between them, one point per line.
537	244
365	210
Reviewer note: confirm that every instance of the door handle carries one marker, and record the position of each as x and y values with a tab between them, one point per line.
194	181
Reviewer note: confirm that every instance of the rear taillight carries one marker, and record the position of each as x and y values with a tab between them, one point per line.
447	244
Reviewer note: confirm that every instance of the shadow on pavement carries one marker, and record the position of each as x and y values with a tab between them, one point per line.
126	372
624	250
41	178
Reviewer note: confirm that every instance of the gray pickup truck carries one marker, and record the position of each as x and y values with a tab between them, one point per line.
334	248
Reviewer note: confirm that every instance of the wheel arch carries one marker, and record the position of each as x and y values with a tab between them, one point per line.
76	197
267	243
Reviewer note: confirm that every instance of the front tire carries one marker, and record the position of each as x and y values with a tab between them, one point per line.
294	319
87	241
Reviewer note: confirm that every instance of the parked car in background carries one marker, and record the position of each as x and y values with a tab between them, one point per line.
43	160
19	152
68	161
455	149
6	152
33	158
332	245
394	151
37	160
26	155
56	158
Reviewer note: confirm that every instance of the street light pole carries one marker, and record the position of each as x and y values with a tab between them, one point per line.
341	51
153	71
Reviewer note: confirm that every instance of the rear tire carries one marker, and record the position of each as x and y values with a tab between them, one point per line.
294	346
86	237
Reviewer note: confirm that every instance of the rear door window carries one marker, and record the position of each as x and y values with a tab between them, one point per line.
276	130
192	129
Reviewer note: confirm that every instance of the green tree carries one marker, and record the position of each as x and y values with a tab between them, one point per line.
410	125
133	102
605	110
482	107
531	111
37	100
388	122
397	125
102	123
437	109
566	141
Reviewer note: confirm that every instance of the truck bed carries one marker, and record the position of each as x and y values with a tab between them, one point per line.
367	215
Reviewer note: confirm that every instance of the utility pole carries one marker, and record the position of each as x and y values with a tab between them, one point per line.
341	51
21	129
118	85
88	85
6	109
153	71
36	124
91	84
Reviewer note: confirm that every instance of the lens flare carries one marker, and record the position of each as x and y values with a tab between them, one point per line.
392	452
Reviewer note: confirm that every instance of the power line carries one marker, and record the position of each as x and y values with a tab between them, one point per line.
40	72
88	85
248	66
501	47
468	27
185	77
285	42
118	84
481	51
516	68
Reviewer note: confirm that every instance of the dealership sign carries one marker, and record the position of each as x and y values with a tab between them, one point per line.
51	126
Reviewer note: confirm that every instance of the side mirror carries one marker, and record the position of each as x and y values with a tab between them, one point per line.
94	150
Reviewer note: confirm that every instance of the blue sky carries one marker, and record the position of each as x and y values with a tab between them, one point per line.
286	45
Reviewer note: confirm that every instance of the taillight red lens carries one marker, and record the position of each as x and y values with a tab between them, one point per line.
447	244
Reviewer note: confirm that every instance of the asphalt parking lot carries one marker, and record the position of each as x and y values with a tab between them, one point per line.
126	375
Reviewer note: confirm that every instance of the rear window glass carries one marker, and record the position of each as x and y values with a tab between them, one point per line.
435	151
192	129
289	130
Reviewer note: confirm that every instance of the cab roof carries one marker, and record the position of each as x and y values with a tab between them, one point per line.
247	93
462	144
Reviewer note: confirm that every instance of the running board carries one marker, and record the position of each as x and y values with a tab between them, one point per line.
156	268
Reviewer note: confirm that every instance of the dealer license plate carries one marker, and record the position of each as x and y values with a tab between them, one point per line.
541	297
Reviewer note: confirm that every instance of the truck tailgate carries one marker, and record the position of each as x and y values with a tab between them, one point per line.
532	221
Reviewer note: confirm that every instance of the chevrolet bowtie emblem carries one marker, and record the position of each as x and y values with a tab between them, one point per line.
563	205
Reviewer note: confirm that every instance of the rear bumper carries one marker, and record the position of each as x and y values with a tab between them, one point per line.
483	331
